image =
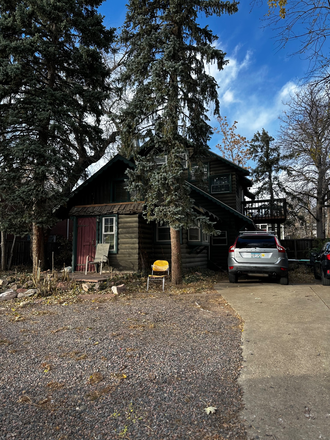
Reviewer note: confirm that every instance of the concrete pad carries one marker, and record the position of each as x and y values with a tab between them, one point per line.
286	350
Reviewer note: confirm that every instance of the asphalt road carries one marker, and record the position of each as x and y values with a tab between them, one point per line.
286	350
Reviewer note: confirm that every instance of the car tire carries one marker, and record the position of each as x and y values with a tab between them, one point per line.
284	281
232	278
325	281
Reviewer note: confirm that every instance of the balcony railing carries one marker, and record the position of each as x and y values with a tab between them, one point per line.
268	210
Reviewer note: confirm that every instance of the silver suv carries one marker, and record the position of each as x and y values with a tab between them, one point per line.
258	253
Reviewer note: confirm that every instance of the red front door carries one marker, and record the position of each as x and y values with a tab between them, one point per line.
86	241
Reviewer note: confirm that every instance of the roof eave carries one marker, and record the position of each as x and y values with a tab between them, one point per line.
223	205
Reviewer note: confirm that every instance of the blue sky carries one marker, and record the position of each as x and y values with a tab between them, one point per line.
259	76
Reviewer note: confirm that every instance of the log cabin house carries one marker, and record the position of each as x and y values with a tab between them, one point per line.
101	211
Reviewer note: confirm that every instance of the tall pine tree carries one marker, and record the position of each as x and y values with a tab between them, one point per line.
268	159
171	94
53	87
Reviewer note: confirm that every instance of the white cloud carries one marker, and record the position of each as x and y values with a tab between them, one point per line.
264	113
228	97
228	76
250	94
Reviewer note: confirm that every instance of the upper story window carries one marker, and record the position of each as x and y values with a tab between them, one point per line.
162	160
220	184
196	174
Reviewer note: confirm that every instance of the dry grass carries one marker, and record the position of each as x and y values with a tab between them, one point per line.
202	281
302	275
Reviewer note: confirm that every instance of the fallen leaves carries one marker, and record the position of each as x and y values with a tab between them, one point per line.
55	385
61	329
17	317
47	367
76	355
27	400
5	342
120	376
96	394
95	378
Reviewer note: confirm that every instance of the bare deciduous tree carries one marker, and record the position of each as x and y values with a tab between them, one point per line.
306	22
305	134
233	146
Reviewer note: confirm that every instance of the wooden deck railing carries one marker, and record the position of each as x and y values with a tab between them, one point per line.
265	210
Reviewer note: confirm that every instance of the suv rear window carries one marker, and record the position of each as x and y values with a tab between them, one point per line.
253	241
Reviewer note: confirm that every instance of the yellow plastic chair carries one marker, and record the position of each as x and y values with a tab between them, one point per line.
159	266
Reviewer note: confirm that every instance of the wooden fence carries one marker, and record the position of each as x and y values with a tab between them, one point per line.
300	248
22	254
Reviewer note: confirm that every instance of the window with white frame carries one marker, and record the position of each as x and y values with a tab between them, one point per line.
220	184
163	233
196	235
205	238
196	173
220	240
162	160
109	232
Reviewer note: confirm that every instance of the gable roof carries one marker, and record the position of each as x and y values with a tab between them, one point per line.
111	162
242	170
221	204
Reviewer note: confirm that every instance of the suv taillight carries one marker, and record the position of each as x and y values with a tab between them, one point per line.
233	247
327	256
279	247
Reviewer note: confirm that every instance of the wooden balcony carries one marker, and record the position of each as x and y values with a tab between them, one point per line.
266	211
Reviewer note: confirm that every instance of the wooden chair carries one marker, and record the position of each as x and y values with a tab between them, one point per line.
101	256
159	267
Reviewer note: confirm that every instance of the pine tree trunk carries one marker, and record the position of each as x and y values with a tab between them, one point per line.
176	257
38	251
3	251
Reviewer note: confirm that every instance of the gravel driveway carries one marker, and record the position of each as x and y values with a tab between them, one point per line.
131	368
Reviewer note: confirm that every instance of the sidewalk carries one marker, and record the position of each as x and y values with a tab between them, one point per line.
286	350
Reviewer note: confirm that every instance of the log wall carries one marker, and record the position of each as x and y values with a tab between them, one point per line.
162	251
127	257
217	167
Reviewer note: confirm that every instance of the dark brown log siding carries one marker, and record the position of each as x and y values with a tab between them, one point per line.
127	257
146	245
216	168
99	189
191	259
162	251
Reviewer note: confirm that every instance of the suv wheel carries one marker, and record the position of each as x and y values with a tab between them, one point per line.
325	281
284	281
232	278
